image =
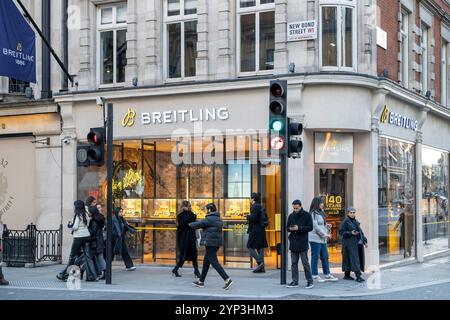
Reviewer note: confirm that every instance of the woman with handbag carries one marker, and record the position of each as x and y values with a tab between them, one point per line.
353	243
186	239
80	245
119	229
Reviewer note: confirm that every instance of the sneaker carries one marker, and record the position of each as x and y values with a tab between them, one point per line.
198	284
228	284
310	285
360	280
131	269
293	284
259	268
318	279
330	277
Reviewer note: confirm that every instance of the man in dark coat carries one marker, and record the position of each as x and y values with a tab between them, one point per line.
119	230
186	239
299	225
353	243
212	227
257	223
97	243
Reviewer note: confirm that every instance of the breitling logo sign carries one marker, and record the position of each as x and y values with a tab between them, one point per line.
129	119
387	116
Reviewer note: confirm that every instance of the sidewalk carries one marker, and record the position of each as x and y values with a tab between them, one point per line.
158	280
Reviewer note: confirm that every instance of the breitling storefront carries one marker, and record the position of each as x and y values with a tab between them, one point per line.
202	148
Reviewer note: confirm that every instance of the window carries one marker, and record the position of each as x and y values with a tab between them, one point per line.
112	47
444	73
256	39
404	45
17	86
424	58
435	182
338	42
181	38
396	200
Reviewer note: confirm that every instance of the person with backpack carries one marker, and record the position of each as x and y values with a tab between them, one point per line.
80	244
318	240
257	223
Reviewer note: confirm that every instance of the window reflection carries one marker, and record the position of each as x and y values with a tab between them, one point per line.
329	36
396	207
435	194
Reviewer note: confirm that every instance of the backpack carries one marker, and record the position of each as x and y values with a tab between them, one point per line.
264	221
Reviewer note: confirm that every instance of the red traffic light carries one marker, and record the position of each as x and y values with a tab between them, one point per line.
95	137
276	90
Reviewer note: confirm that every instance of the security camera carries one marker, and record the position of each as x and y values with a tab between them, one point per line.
100	101
66	140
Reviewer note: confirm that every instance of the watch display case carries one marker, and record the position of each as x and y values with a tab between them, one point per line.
132	209
199	207
164	209
236	209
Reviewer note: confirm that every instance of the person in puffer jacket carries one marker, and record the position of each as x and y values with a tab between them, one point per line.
212	227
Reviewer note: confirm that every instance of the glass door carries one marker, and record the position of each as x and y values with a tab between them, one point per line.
333	184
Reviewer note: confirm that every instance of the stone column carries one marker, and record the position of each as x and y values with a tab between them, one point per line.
281	52
202	63
418	195
225	59
153	54
86	74
69	173
131	70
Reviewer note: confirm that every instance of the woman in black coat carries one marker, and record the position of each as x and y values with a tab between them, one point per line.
186	239
97	243
257	223
353	243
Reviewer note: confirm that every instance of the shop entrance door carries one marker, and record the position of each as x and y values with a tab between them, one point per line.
333	183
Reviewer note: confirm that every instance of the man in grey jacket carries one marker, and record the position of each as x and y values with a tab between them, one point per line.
3	281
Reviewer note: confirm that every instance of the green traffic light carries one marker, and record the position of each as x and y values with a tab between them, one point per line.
277	125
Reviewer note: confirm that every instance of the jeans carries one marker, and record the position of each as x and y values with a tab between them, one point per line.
100	262
77	245
295	257
257	254
211	258
125	255
319	250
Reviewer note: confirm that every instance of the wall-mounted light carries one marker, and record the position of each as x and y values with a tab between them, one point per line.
292	67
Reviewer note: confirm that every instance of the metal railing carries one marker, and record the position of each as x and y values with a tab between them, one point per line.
31	246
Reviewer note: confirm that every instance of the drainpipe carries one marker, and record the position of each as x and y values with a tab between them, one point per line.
46	65
65	40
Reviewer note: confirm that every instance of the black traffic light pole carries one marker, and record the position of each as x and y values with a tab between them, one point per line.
284	202
109	201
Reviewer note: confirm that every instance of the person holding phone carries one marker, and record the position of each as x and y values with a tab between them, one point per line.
353	244
299	225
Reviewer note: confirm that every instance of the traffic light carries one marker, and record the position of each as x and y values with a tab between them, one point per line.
277	114
295	130
96	151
